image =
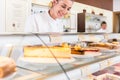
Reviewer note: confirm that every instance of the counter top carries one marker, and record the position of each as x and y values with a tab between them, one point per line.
80	66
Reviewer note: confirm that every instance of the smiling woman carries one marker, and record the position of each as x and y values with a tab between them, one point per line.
60	8
49	21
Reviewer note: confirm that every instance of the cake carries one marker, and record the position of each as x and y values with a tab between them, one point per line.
47	52
7	66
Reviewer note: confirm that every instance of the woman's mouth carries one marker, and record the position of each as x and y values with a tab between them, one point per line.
60	14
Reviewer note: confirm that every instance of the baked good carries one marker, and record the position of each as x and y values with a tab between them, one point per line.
7	66
44	52
104	45
79	52
77	47
64	44
114	42
83	51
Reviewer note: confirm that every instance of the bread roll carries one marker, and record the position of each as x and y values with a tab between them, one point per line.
7	66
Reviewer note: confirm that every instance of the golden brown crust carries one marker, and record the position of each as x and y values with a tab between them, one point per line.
105	45
44	52
7	66
83	50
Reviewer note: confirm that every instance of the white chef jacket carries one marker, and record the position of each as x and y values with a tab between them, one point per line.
43	22
102	30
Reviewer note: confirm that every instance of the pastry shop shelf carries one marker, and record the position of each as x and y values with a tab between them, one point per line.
76	67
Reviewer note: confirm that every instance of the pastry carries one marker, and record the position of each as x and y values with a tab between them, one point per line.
47	52
7	66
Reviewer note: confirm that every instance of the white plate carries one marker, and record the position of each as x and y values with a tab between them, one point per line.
93	54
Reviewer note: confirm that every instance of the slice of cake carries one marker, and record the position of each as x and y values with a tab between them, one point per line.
44	52
7	66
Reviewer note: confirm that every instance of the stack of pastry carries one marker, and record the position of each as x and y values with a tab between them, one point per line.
79	50
104	45
7	66
76	49
47	52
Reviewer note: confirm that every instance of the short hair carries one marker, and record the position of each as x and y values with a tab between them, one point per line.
103	22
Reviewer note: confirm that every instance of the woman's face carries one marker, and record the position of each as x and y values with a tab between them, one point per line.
60	8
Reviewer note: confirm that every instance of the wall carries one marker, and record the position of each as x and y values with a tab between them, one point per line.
98	3
116	5
2	16
115	23
78	8
13	14
116	9
41	2
16	13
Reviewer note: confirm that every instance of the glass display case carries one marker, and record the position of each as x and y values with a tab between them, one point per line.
74	68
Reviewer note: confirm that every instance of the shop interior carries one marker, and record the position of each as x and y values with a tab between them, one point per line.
80	52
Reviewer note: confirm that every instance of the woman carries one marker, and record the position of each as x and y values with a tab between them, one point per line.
49	21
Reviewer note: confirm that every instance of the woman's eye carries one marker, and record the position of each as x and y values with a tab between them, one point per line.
68	9
64	7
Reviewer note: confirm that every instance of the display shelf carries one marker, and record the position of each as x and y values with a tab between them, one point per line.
75	69
79	67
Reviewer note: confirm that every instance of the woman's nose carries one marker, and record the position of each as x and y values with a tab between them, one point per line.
65	11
